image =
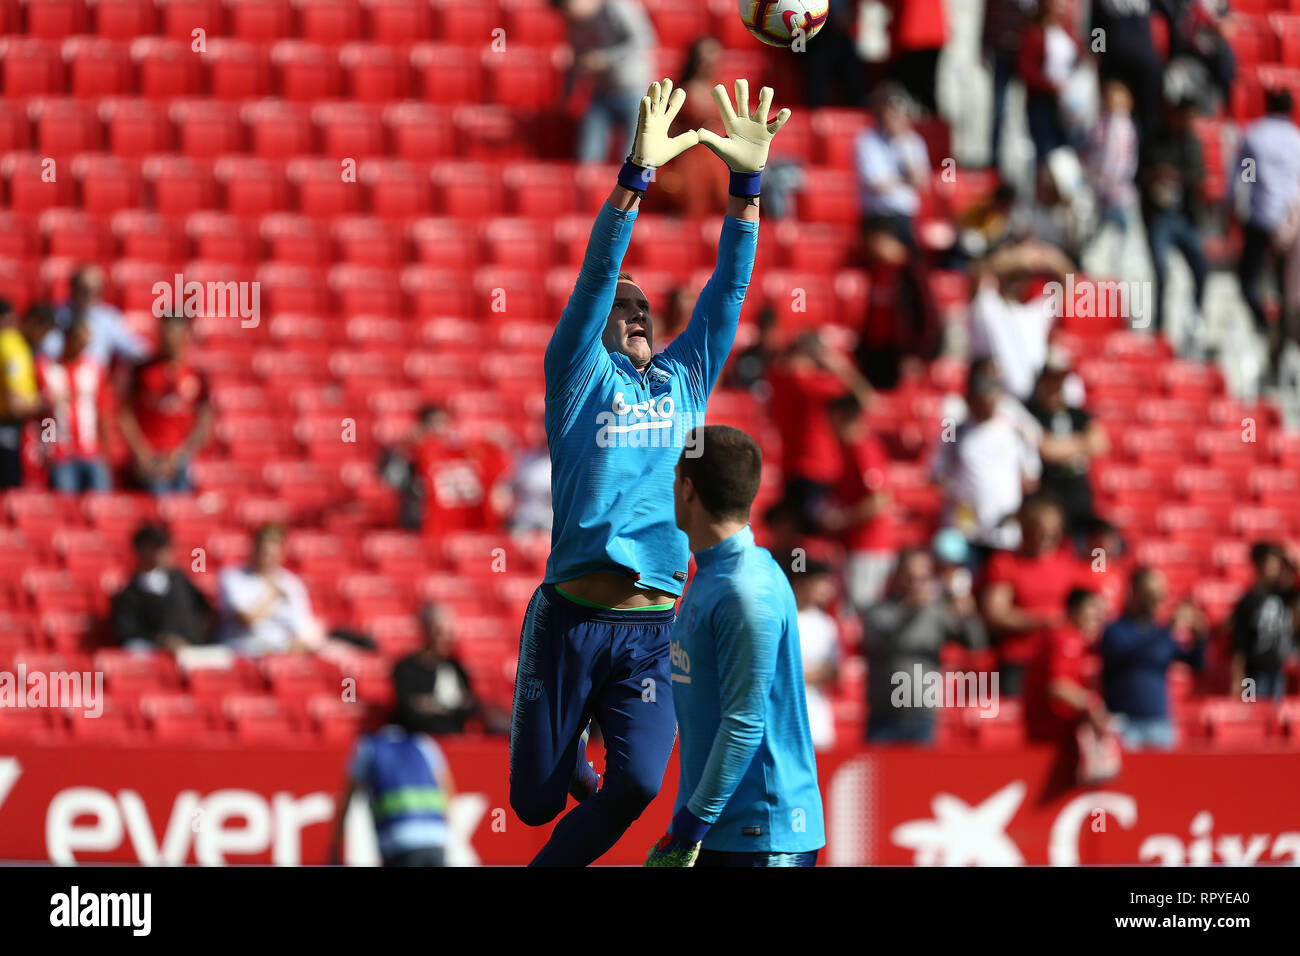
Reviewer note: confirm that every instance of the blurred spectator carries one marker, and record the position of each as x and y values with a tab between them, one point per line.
902	323
1005	326
988	462
952	554
1024	591
409	786
1263	626
1108	563
166	417
1056	216
907	631
695	184
432	690
1199	34
1136	653
160	607
893	166
1057	692
264	606
76	396
748	367
110	337
918	30
1071	439
987	224
819	643
835	76
1270	163
1112	160
859	509
446	482
19	396
1128	53
1171	175
1003	34
531	491
612	41
803	384
1047	59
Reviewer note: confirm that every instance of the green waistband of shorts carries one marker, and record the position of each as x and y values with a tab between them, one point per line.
610	607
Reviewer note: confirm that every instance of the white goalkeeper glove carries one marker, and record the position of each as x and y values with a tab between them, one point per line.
653	147
744	148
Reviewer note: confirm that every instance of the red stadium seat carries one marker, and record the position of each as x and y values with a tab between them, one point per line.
124	19
321	189
418	132
65	126
260	21
450	243
296	239
397	22
467	190
374	72
365	290
292	288
329	21
30	67
97	67
447	74
221	237
179	185
396	189
307	71
108	183
237	70
469	26
73	234
521	77
829	195
368	241
207	129
136	127
351	130
252	186
176	718
180	18
522	244
166	68
437	292
277	128
15	128
55	18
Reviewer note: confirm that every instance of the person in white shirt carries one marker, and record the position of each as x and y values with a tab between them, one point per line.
110	336
988	462
264	606
819	645
893	165
1005	328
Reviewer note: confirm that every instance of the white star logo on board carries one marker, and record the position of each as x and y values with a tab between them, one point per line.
962	835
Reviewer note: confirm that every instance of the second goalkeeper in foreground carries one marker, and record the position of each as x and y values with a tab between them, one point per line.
748	793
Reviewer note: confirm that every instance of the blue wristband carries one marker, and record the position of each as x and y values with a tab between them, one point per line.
687	827
745	185
634	177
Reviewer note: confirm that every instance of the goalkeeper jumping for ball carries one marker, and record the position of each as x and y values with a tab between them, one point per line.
748	793
595	638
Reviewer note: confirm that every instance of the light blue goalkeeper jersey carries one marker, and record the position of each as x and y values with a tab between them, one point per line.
615	434
747	763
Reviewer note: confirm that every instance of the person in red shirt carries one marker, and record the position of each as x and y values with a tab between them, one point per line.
918	30
1058	692
166	416
1108	563
73	427
1024	591
452	477
859	508
803	385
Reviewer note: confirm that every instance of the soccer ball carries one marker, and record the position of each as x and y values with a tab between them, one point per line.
775	22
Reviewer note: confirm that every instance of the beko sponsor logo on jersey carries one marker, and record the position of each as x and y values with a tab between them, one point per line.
643	424
681	662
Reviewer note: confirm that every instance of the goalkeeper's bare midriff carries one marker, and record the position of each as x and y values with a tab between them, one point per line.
613	590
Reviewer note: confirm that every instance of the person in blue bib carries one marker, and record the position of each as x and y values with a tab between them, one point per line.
748	794
594	642
406	778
